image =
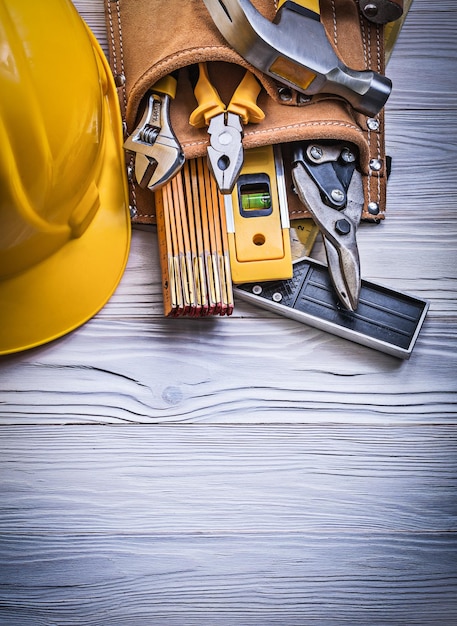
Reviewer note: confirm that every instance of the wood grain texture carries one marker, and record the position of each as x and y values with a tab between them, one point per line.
169	480
251	471
257	371
239	579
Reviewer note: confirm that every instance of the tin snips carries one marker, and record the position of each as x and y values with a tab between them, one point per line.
329	185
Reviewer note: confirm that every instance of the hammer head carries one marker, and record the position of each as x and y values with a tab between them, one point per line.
295	51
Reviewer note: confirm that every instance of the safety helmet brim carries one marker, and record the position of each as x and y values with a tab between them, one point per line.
67	289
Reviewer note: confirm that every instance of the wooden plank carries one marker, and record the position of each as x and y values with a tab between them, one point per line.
104	580
251	471
93	12
250	371
168	480
423	152
422	66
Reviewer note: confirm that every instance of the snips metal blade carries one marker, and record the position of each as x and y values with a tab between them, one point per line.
338	228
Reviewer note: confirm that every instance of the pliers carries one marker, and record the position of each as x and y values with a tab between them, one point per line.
225	123
328	183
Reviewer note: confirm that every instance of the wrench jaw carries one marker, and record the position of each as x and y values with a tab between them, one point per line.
154	171
158	154
339	230
225	152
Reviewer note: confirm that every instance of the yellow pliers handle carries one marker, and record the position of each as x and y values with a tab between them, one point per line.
243	102
209	102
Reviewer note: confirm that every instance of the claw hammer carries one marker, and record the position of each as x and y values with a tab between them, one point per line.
294	49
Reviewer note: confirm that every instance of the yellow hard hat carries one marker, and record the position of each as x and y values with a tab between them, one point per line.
64	221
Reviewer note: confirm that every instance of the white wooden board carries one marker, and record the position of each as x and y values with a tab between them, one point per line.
251	470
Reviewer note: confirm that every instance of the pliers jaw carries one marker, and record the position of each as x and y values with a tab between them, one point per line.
225	122
338	226
225	152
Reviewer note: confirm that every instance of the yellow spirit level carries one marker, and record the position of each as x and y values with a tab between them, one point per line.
258	219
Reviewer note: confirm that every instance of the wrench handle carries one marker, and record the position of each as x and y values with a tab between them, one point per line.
167	85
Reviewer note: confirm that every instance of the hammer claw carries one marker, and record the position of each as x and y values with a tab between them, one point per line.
295	50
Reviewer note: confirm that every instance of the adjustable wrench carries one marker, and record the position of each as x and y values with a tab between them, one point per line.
295	50
158	154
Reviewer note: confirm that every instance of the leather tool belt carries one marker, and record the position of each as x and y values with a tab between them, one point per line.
149	39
